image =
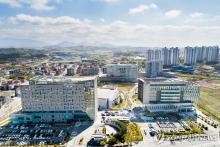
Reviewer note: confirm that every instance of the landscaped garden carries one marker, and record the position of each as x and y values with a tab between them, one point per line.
128	132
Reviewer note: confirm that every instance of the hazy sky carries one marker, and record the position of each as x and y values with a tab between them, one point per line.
118	22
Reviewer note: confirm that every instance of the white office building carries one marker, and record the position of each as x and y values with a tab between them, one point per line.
160	94
122	72
58	99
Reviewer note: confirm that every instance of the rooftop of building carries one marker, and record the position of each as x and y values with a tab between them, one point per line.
106	93
162	80
120	64
58	79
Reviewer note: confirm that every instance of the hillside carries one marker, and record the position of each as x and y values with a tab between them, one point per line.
14	54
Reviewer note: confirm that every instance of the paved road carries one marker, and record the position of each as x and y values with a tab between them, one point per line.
9	108
86	134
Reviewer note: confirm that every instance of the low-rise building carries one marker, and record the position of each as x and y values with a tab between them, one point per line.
89	70
106	97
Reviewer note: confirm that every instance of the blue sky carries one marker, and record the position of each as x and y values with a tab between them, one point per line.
117	22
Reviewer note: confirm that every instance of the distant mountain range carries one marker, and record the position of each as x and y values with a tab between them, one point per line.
34	44
20	43
31	43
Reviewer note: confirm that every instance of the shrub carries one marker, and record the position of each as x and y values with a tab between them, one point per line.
102	143
112	140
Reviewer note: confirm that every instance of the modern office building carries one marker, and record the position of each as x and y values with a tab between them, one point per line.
58	99
153	63
193	55
170	56
160	94
122	72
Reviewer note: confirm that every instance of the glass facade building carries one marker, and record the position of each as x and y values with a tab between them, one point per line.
173	95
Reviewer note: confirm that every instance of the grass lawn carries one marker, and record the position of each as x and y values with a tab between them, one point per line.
121	105
200	77
209	102
135	97
26	76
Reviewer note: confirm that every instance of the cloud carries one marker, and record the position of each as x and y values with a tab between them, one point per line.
110	1
25	18
66	28
196	14
142	8
102	20
59	1
38	5
11	3
173	13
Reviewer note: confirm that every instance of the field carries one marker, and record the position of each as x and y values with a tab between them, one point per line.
200	77
125	87
209	102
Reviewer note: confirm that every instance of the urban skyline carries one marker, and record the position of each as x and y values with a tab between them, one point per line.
82	73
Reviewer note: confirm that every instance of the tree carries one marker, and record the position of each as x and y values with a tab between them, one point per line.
112	140
102	143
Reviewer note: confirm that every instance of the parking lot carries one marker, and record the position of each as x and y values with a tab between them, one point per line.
38	134
108	116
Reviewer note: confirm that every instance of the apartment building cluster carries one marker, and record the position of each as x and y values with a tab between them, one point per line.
153	63
204	54
170	56
156	59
